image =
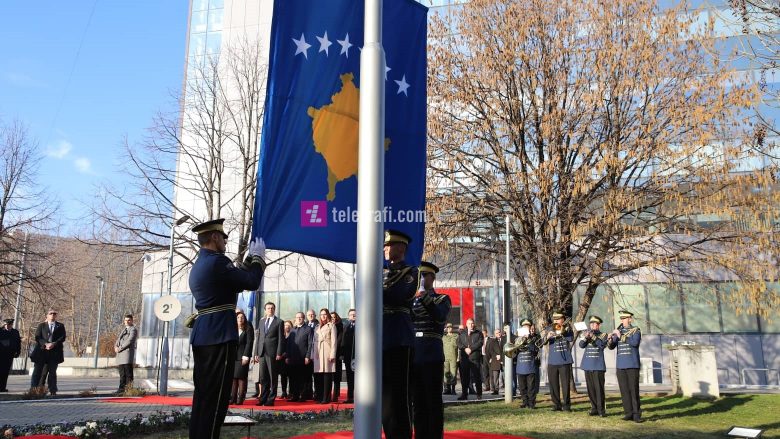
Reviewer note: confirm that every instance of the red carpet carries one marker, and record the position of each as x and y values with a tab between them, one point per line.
46	436
460	434
280	404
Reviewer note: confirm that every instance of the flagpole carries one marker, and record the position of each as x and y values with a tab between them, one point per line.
368	392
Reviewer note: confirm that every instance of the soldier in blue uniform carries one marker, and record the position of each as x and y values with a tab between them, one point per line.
429	315
558	338
626	338
399	288
594	342
526	370
215	283
10	348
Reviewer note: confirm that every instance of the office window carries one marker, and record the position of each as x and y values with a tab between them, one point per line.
771	324
213	42
343	302
216	17
200	5
732	307
199	22
290	303
601	305
630	298
197	45
317	300
701	307
665	309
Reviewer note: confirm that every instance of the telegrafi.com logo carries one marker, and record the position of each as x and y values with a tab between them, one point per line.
316	214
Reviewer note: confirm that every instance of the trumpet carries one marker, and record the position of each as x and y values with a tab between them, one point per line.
511	350
589	335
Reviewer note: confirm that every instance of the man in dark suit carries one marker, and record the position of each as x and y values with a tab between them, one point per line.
470	343
269	347
48	354
10	347
125	353
348	354
298	355
215	282
308	383
495	359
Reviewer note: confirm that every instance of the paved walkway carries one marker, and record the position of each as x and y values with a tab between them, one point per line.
68	407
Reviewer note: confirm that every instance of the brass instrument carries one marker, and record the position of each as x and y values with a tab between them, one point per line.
511	350
631	331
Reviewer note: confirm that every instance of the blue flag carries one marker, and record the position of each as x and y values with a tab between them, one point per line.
307	176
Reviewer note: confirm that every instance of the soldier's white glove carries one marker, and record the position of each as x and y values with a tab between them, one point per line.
257	248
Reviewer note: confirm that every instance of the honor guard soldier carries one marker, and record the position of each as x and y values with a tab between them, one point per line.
399	288
10	348
525	370
215	283
594	341
429	314
626	338
559	337
450	342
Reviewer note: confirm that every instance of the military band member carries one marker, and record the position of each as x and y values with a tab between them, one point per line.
594	341
215	283
526	370
429	314
559	360
626	338
10	348
450	342
399	289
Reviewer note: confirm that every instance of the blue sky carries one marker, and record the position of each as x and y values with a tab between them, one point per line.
82	84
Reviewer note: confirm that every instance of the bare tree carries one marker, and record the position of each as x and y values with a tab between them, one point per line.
606	132
200	161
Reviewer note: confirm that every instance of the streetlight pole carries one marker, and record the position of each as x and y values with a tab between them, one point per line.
163	385
21	281
100	316
508	372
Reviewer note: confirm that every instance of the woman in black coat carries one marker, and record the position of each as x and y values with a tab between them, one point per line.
246	339
336	319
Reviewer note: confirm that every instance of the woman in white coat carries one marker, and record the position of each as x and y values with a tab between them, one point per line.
324	356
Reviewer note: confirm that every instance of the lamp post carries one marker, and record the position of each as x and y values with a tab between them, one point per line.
163	385
100	316
21	281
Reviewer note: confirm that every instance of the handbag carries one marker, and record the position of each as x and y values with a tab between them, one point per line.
37	354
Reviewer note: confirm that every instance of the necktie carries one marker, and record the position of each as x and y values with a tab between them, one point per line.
267	324
51	331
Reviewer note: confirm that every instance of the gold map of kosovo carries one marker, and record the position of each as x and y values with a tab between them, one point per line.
335	133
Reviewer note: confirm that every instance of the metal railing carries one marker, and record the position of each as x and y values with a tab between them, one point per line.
765	370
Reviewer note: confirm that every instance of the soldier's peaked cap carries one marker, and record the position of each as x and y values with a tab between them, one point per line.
625	314
8	321
596	319
392	236
526	322
427	267
211	226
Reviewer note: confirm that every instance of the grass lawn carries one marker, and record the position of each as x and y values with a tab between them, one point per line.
665	417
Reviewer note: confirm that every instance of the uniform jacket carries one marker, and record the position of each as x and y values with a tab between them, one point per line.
628	351
270	342
43	336
10	343
493	348
215	280
399	287
450	342
325	341
526	358
429	315
300	344
126	344
593	357
559	352
473	341
348	341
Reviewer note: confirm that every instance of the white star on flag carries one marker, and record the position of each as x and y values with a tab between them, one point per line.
402	86
324	43
301	46
345	45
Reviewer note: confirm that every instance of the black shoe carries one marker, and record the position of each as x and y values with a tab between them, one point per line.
555	409
349	401
479	397
532	406
567	409
284	396
628	418
523	405
269	404
494	393
294	399
638	419
463	397
4	390
255	395
592	413
603	415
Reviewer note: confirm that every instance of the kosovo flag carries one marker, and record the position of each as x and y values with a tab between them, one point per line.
307	176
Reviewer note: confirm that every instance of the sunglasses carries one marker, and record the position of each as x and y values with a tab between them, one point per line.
52	313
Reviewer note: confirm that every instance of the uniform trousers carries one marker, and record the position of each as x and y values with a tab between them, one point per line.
428	405
558	377
471	373
125	375
628	380
595	381
527	385
450	371
213	376
6	361
396	407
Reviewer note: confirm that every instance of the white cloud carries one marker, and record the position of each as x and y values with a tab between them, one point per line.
59	151
21	80
83	165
